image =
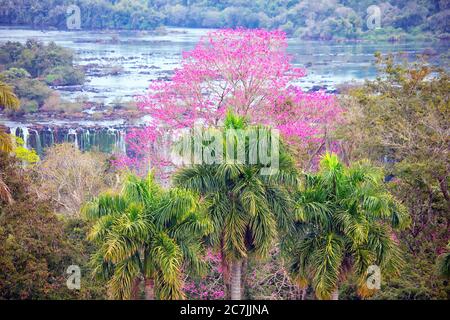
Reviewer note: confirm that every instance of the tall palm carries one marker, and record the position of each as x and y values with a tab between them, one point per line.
147	233
8	100
345	218
248	209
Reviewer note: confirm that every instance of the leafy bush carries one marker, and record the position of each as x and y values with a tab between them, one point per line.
28	106
32	90
64	76
400	120
25	64
14	74
36	246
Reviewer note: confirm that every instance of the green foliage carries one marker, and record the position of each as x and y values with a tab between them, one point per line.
406	113
96	14
13	74
32	93
76	231
64	76
35	248
35	57
33	65
443	265
321	19
147	232
22	153
248	209
345	219
8	101
401	121
418	280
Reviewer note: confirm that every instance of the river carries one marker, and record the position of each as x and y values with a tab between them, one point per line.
140	57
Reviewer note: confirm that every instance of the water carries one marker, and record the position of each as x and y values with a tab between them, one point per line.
103	139
143	57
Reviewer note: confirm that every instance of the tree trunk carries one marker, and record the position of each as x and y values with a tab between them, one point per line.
335	294
149	289
226	276
244	274
304	293
136	289
236	280
301	293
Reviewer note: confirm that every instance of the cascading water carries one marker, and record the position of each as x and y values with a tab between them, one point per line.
72	135
103	139
37	143
22	132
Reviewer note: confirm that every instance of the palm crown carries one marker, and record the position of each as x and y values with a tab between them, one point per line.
8	100
147	233
345	218
247	209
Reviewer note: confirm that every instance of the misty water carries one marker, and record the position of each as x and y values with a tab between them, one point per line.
140	57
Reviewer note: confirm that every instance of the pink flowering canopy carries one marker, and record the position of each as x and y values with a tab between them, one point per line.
248	71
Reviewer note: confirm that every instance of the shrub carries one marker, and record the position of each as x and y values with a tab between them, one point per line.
28	106
64	76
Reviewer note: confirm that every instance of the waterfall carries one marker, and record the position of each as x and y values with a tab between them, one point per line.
104	139
119	140
85	140
74	133
22	132
37	144
122	143
26	134
52	138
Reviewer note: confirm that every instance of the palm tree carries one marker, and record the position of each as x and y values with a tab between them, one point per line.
345	218
8	100
147	233
248	209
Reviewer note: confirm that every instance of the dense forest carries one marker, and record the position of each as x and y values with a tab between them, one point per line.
361	180
229	177
321	19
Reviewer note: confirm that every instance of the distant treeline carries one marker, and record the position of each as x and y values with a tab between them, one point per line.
319	19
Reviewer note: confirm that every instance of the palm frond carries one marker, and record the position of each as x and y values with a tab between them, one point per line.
121	283
326	261
5	193
6	143
8	99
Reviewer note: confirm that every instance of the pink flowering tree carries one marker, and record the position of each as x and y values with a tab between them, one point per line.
248	71
262	281
211	286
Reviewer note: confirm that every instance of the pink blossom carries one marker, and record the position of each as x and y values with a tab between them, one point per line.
246	70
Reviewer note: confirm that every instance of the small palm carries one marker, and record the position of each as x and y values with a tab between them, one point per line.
147	233
344	224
